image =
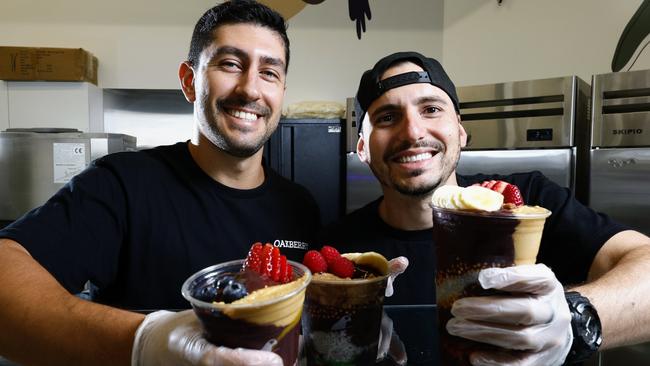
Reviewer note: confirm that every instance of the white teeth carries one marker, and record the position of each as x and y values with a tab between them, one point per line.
243	115
412	158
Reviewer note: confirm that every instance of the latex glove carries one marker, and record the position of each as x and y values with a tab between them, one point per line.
533	318
389	342
396	266
168	338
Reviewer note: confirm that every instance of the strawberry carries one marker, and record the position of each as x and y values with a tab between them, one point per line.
342	267
329	253
500	186
266	267
288	272
488	184
254	258
267	261
276	264
283	269
315	261
511	194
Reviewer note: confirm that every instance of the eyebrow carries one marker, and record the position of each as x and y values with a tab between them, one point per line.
421	100
238	52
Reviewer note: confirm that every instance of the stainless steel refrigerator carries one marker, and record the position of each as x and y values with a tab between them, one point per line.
35	163
620	151
620	167
528	125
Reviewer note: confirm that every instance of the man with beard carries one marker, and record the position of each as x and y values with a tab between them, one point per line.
411	137
137	224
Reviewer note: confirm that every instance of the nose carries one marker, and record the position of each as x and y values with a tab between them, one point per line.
412	126
248	85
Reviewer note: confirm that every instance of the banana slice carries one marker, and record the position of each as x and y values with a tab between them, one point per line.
446	197
369	259
480	198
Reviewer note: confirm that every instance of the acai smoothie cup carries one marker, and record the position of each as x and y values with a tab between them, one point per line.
267	318
342	318
470	233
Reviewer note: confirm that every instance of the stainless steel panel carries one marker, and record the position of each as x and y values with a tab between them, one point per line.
620	110
556	164
361	185
516	89
527	114
625	101
624	80
27	165
623	130
619	185
512	133
517	107
155	117
351	127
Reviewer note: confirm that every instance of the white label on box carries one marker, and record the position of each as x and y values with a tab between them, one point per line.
69	160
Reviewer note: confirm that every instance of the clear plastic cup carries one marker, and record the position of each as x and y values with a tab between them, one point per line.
467	242
270	323
342	320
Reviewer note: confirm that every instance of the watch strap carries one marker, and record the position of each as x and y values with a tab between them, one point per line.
586	328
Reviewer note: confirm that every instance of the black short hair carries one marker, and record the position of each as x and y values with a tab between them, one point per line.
236	12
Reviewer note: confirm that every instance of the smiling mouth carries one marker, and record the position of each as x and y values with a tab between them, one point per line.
414	158
247	116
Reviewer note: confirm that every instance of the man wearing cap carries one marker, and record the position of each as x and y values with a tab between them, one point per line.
411	137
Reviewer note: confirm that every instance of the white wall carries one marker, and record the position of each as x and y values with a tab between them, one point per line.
139	44
531	39
327	58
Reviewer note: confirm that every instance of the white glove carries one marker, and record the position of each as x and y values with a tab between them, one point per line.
389	342
168	338
396	267
532	317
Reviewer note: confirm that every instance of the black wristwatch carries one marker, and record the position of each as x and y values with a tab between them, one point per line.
585	324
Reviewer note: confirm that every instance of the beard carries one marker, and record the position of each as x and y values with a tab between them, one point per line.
404	185
235	145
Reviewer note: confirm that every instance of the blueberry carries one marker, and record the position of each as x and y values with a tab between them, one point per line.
222	282
233	291
207	293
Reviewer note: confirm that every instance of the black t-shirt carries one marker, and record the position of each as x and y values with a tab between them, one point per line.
572	236
137	224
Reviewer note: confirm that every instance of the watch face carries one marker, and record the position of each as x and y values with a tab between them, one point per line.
592	332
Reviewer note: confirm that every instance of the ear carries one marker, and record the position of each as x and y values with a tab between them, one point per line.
361	149
186	78
463	133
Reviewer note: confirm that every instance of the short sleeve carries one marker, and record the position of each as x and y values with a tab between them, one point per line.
76	235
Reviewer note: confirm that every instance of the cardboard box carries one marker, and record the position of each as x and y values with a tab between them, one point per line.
48	64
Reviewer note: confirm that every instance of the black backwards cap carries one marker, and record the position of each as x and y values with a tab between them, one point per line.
371	87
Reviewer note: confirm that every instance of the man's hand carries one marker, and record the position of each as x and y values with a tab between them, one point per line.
168	338
389	342
396	267
532	317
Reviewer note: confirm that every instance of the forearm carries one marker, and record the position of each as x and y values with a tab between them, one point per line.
622	298
43	324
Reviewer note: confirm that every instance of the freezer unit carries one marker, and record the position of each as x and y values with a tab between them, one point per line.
620	151
619	185
36	163
528	125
